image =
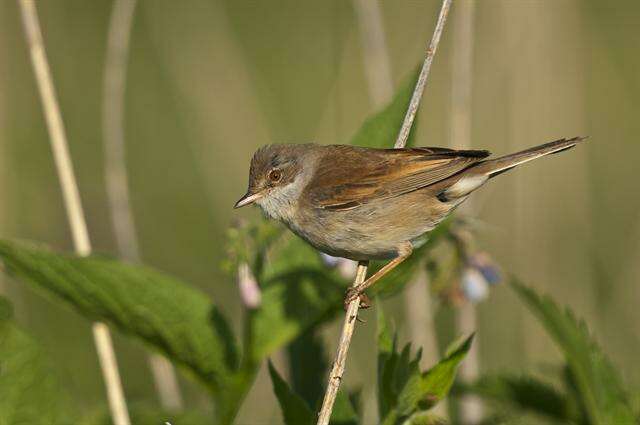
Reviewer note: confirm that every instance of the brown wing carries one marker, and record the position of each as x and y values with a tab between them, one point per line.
352	176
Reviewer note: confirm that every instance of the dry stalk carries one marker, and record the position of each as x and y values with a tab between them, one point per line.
337	370
116	177
401	141
375	54
73	205
417	296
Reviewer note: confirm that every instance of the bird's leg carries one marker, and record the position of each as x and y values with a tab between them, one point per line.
404	251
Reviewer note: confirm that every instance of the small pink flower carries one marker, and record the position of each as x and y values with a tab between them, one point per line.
249	289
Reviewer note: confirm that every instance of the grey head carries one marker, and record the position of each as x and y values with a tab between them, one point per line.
277	177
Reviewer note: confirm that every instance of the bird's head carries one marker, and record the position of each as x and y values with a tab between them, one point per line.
276	179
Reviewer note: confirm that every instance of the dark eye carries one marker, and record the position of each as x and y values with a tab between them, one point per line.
275	175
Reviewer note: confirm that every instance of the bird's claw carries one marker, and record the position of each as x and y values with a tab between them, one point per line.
352	294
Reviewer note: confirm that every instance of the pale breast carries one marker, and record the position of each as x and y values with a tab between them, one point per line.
374	230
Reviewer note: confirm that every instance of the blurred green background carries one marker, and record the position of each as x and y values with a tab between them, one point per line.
210	81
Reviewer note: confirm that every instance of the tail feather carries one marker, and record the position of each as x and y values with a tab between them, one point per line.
475	176
493	167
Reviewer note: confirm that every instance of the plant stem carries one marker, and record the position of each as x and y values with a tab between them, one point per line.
401	141
375	54
116	177
417	296
335	377
71	195
337	370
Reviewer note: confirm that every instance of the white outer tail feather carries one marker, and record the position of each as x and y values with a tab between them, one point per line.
476	175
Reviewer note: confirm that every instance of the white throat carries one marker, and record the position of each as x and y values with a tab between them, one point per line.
281	203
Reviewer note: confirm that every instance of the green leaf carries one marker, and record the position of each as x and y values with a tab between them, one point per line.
308	365
381	129
402	388
524	393
424	418
343	411
29	391
167	314
437	381
596	381
292	303
294	409
387	363
298	292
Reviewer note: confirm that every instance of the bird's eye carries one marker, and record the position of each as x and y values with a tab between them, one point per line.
275	175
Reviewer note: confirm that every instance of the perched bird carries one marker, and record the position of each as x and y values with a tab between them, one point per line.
363	203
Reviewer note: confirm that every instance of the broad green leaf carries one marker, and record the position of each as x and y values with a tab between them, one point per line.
294	409
524	393
29	392
381	129
597	382
167	314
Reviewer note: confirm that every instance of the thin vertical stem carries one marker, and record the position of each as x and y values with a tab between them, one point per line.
417	296
471	411
401	141
375	54
116	177
71	196
335	377
337	370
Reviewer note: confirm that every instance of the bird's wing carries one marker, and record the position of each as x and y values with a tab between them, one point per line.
351	177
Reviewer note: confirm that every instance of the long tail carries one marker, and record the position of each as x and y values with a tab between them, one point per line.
493	167
476	175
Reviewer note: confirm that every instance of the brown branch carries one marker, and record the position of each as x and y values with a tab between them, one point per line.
337	370
401	141
335	377
71	196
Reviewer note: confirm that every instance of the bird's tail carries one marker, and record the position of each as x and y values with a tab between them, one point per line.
475	176
493	167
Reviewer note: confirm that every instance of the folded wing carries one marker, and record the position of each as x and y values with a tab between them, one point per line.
357	176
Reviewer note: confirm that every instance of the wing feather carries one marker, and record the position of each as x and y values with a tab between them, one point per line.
352	176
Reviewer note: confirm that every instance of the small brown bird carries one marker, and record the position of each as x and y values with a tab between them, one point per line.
364	204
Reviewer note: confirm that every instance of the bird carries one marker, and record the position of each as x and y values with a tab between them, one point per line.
366	203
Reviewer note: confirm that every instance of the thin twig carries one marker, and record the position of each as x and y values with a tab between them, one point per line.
335	377
116	177
471	411
73	205
417	297
401	141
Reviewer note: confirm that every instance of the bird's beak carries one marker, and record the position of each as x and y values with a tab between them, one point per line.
247	198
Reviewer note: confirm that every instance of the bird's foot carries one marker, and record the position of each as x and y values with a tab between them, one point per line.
352	294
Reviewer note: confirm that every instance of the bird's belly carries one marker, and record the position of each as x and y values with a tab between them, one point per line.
370	231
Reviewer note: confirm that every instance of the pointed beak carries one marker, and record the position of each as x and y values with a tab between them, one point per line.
247	198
